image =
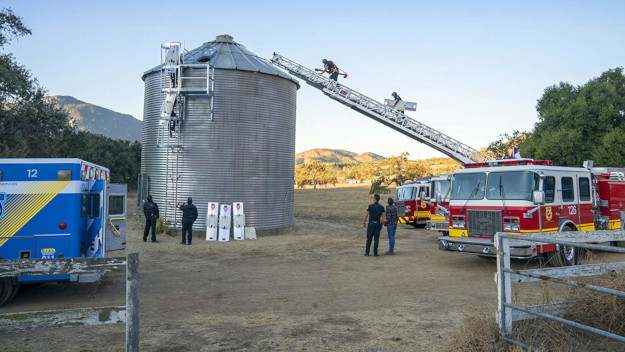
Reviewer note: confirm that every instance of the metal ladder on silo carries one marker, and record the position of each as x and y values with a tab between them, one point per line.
386	115
175	86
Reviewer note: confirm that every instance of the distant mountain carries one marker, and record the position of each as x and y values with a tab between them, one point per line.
335	156
96	119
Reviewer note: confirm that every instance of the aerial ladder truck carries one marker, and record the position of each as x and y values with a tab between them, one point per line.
382	113
390	117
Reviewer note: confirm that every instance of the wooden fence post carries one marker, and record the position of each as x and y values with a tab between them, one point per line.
132	303
504	284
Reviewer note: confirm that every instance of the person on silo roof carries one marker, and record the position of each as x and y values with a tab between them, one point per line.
189	215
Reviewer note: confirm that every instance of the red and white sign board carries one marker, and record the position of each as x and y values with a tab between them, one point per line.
212	218
239	221
225	219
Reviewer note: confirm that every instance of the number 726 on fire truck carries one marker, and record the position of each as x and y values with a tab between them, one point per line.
525	195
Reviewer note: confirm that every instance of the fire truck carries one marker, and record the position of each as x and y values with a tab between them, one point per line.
57	208
439	204
525	195
412	201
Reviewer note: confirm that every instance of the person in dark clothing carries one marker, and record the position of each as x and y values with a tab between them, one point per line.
189	215
399	104
374	212
391	225
173	122
330	67
150	210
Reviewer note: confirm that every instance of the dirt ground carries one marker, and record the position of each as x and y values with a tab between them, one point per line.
308	290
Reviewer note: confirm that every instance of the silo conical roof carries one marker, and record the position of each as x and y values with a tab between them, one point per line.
224	53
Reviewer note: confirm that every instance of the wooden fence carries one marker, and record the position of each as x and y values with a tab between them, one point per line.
79	316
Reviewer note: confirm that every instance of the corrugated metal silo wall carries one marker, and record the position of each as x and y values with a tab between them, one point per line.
152	157
246	153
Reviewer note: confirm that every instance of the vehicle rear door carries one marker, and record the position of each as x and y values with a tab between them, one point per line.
115	217
95	219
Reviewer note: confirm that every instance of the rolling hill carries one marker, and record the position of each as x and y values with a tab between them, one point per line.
338	156
96	119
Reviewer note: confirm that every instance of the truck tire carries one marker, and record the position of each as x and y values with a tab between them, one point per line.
6	289
16	288
565	256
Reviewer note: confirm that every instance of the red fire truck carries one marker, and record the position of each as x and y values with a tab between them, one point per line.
439	204
525	195
412	209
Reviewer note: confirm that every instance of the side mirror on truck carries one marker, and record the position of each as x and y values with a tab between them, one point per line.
422	195
439	198
538	197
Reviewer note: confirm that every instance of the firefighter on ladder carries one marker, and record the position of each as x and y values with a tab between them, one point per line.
330	67
400	105
174	121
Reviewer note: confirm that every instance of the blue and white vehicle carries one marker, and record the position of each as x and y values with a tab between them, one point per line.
57	208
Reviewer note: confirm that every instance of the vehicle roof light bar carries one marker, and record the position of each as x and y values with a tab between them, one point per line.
509	162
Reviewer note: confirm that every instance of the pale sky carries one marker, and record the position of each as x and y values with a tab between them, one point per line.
475	68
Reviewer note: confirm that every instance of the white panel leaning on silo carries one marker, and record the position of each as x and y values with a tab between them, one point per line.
225	219
238	217
250	233
212	221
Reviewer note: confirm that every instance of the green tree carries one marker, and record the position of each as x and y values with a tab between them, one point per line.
32	128
581	123
11	26
314	174
502	147
397	170
29	127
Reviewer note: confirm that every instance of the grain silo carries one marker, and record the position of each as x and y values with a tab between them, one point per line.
236	140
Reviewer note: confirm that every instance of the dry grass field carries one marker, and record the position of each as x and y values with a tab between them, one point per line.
307	290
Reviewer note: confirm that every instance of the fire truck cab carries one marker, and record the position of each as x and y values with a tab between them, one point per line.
525	195
412	200
439	204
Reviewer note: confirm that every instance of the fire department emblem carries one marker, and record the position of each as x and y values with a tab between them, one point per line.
423	205
548	213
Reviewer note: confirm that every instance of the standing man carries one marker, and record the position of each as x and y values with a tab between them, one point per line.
374	211
150	210
391	225
189	215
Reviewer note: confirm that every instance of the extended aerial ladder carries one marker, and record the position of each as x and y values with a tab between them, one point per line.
386	115
177	81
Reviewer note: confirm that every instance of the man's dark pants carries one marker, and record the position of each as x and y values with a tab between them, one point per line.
373	233
334	76
187	226
150	222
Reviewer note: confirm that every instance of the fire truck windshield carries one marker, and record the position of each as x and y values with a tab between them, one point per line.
442	187
405	193
513	185
468	186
